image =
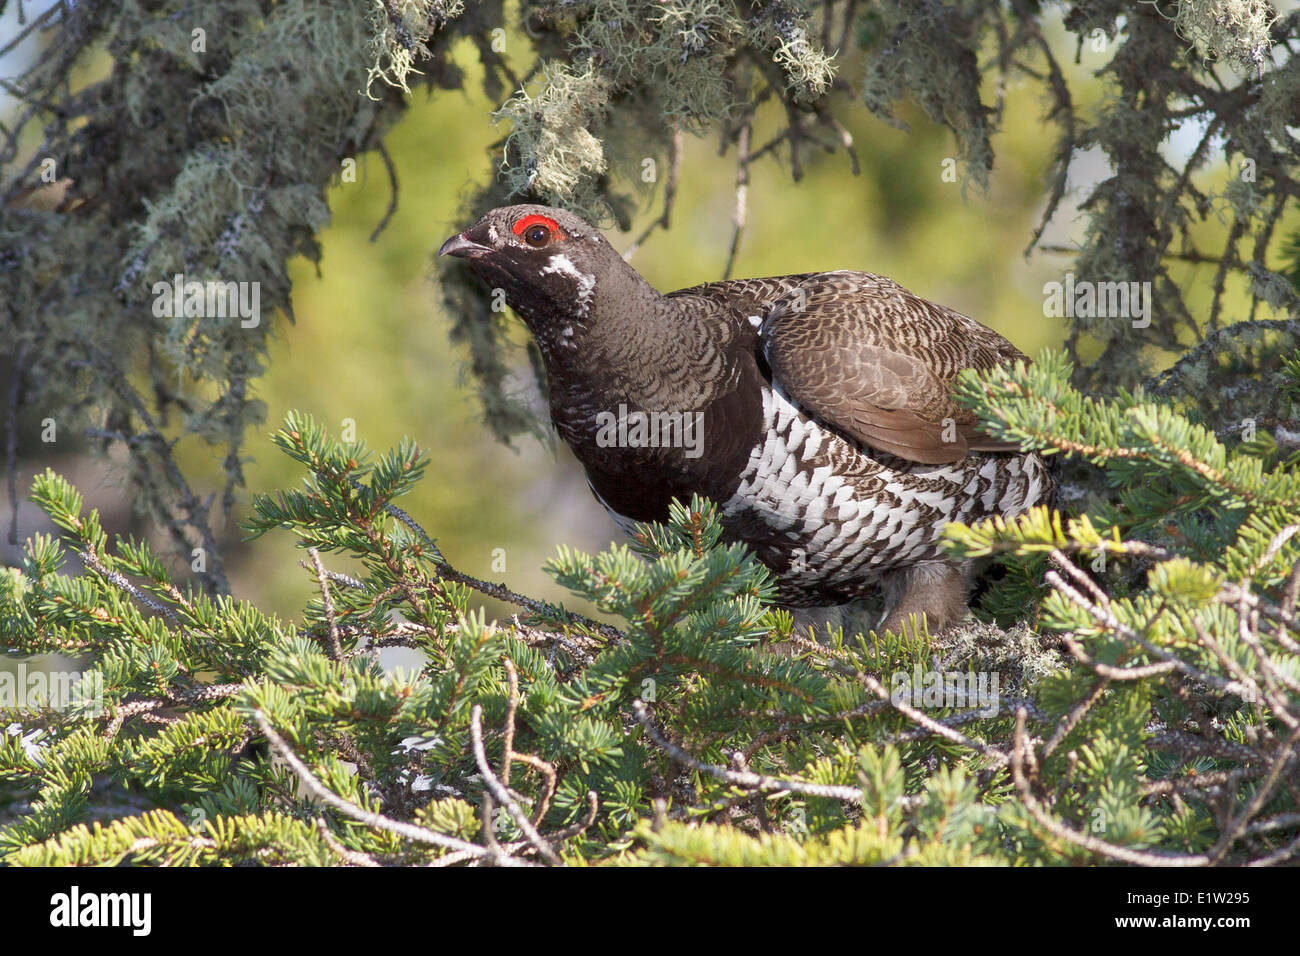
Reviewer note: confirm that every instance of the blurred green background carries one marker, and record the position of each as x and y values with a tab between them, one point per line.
370	341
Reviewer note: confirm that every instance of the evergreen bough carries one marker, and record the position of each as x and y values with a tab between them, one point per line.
1152	716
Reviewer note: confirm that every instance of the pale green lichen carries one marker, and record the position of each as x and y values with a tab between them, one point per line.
809	70
401	33
1279	91
216	163
551	149
1234	31
194	156
673	61
693	44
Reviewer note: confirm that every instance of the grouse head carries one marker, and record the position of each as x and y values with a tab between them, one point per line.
557	271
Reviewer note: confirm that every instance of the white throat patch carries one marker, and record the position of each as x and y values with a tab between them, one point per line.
560	263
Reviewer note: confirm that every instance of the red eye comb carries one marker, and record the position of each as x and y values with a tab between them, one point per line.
535	219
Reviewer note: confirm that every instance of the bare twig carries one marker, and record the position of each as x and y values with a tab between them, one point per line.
1285	754
742	191
119	714
577	829
1107	619
993	753
1020	746
508	738
119	581
11	439
407	830
1071	720
353	857
1108	671
670	196
540	608
552	781
392	202
327	599
1063	109
737	778
498	790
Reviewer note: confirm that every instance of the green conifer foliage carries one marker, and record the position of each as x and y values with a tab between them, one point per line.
1146	709
1153	718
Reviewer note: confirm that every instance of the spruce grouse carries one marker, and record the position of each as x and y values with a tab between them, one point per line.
814	409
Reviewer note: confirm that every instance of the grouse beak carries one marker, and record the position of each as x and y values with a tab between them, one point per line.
463	247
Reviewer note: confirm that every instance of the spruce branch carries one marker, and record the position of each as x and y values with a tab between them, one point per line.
1021	749
499	791
741	779
327	602
369	818
1174	693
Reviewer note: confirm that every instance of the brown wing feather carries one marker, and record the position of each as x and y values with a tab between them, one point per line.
870	358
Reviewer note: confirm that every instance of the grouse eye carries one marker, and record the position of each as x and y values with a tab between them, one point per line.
538	230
